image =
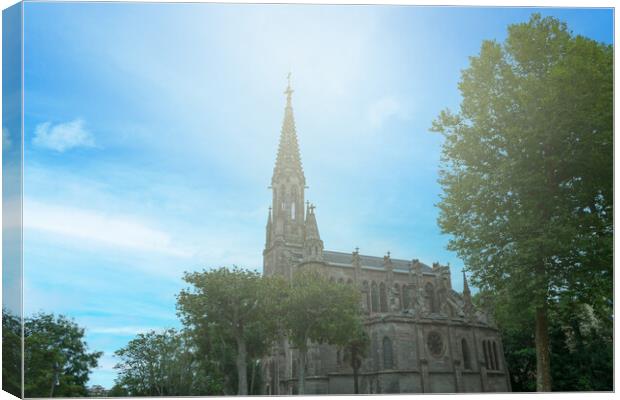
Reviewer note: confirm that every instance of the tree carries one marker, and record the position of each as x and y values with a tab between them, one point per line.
11	353
97	391
56	360
161	364
320	311
118	391
232	305
217	352
356	349
527	168
581	346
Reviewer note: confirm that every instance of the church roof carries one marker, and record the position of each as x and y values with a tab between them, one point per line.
345	259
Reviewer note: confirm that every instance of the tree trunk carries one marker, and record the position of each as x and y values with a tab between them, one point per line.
543	364
252	377
355	364
242	372
356	389
301	371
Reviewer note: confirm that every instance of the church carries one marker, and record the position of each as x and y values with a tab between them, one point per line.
425	337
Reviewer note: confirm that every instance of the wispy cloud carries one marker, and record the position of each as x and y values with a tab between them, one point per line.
100	228
63	136
124	330
385	108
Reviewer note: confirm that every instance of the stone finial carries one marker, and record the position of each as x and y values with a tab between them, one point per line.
387	262
417	266
357	265
468	306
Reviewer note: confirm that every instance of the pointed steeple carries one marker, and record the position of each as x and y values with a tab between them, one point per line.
288	160
312	229
287	223
468	306
465	286
313	245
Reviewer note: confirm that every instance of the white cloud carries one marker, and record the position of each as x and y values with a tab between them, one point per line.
64	136
385	108
124	330
99	228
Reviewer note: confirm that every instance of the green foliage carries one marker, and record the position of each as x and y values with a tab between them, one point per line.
527	166
11	353
161	364
582	349
581	345
356	349
56	359
320	311
118	391
97	391
233	314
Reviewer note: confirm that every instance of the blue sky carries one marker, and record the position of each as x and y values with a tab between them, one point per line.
151	132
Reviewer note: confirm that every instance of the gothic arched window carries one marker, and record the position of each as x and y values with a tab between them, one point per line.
383	297
388	355
485	350
374	297
489	358
366	290
466	355
406	298
495	357
429	294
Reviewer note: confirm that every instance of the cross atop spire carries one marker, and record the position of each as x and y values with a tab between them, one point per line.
289	91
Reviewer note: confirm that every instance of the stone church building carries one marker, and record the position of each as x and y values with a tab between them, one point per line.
425	337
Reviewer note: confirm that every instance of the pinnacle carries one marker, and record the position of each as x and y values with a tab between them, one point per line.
288	160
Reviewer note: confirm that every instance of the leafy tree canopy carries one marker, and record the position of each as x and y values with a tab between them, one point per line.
526	171
56	358
320	311
11	353
233	306
162	364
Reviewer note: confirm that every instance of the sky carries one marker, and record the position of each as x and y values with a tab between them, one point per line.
151	130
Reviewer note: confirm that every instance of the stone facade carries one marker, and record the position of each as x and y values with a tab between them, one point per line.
425	337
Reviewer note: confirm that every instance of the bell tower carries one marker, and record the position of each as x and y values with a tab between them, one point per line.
285	224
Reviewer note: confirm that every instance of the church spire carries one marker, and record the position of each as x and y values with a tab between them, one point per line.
468	306
288	160
466	291
313	245
312	229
